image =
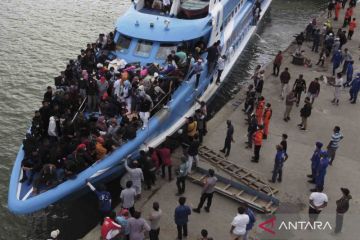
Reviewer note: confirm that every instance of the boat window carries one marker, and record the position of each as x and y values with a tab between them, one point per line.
164	50
143	48
123	43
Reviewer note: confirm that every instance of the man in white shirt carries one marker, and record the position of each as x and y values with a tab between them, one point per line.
127	197
136	176
238	225
317	202
337	88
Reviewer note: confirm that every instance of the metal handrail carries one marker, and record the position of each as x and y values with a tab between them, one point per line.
160	102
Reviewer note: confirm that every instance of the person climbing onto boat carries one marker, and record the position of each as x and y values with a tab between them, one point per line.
196	70
212	57
136	176
104	198
220	68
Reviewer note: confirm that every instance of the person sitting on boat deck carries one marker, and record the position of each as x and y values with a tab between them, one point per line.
145	106
168	69
48	94
104	199
181	54
212	57
136	176
100	149
47	178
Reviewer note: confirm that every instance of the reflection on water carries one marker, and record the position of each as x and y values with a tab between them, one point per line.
39	37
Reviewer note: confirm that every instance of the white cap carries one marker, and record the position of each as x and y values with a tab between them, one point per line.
156	74
54	234
99	65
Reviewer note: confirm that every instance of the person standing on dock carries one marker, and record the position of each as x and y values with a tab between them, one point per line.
337	10
337	88
251	129
127	197
193	152
181	174
331	7
352	26
289	103
299	87
337	60
266	119
321	171
342	206
333	145
347	60
284	80
260	83
137	227
278	165
317	202
354	89
315	160
207	192
239	223
305	113
257	139
181	216
154	219
313	90
228	139
136	175
260	109
277	63
316	41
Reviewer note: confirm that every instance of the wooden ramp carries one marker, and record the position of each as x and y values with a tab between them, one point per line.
245	176
238	192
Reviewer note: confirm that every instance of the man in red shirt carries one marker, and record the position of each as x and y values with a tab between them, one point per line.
110	229
352	26
277	63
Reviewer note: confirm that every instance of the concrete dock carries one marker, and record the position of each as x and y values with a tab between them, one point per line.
294	189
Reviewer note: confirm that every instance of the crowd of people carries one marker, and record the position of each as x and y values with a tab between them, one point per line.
128	222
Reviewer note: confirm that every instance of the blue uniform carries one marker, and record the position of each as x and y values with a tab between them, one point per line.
321	172
315	161
337	60
279	162
354	90
104	201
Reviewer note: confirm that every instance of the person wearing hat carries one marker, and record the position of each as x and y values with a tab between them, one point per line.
342	206
315	160
228	139
321	171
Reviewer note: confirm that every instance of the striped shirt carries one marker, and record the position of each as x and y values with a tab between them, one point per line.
335	139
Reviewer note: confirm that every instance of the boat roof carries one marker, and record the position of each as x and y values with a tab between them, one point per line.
178	30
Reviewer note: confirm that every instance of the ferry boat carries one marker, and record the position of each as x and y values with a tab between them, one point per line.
147	34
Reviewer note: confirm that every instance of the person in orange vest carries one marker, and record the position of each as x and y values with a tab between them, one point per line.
352	26
260	110
348	14
257	140
337	10
266	119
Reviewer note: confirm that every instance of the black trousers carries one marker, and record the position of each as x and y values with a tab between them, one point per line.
154	234
276	69
197	80
163	167
350	33
339	222
298	97
180	183
227	146
313	214
219	76
182	231
203	198
257	152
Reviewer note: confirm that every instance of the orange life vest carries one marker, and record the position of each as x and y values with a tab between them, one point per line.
352	25
258	137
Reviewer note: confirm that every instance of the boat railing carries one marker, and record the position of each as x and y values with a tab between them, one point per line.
160	102
80	109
